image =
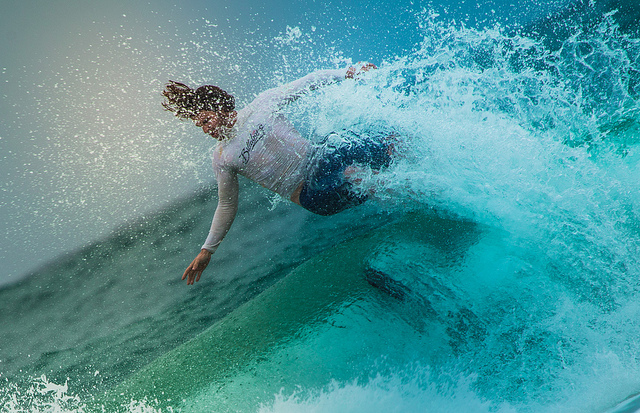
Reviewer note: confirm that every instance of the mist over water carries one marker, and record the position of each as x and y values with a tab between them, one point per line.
532	139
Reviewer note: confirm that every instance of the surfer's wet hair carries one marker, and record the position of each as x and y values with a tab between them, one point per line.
187	103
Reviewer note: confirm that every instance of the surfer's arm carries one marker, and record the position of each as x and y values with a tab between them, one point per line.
222	220
225	211
292	91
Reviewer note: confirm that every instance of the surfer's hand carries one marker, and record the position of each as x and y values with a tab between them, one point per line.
194	270
352	71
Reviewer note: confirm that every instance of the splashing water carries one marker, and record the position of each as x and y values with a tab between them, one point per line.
42	396
500	130
542	144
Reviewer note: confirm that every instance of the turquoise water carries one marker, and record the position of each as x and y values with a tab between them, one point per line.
526	140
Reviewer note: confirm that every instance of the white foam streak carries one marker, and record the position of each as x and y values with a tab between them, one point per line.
394	393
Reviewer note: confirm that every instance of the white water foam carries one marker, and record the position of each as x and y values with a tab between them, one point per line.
541	144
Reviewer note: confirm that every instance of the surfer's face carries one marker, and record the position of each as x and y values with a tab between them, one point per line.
213	123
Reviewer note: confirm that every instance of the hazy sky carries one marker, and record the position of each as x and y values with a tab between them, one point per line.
85	144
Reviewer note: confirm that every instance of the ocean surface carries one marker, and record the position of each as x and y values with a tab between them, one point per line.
517	290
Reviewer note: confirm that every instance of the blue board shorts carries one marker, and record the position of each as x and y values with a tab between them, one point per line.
325	191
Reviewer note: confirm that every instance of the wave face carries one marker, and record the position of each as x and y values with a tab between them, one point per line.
533	136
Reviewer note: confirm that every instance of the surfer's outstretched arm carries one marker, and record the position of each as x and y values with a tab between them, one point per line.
292	91
222	220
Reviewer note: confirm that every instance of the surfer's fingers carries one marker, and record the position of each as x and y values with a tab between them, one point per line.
194	271
187	271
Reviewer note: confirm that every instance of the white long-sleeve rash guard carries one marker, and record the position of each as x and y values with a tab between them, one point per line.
264	147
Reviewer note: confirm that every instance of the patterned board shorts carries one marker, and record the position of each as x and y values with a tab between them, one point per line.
325	191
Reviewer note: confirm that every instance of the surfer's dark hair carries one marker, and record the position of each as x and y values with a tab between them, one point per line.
187	103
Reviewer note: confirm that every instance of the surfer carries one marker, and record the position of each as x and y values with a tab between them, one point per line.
259	143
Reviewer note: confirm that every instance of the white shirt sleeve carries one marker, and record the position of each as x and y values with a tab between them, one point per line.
226	209
289	92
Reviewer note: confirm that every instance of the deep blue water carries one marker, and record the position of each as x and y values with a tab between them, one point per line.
528	132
